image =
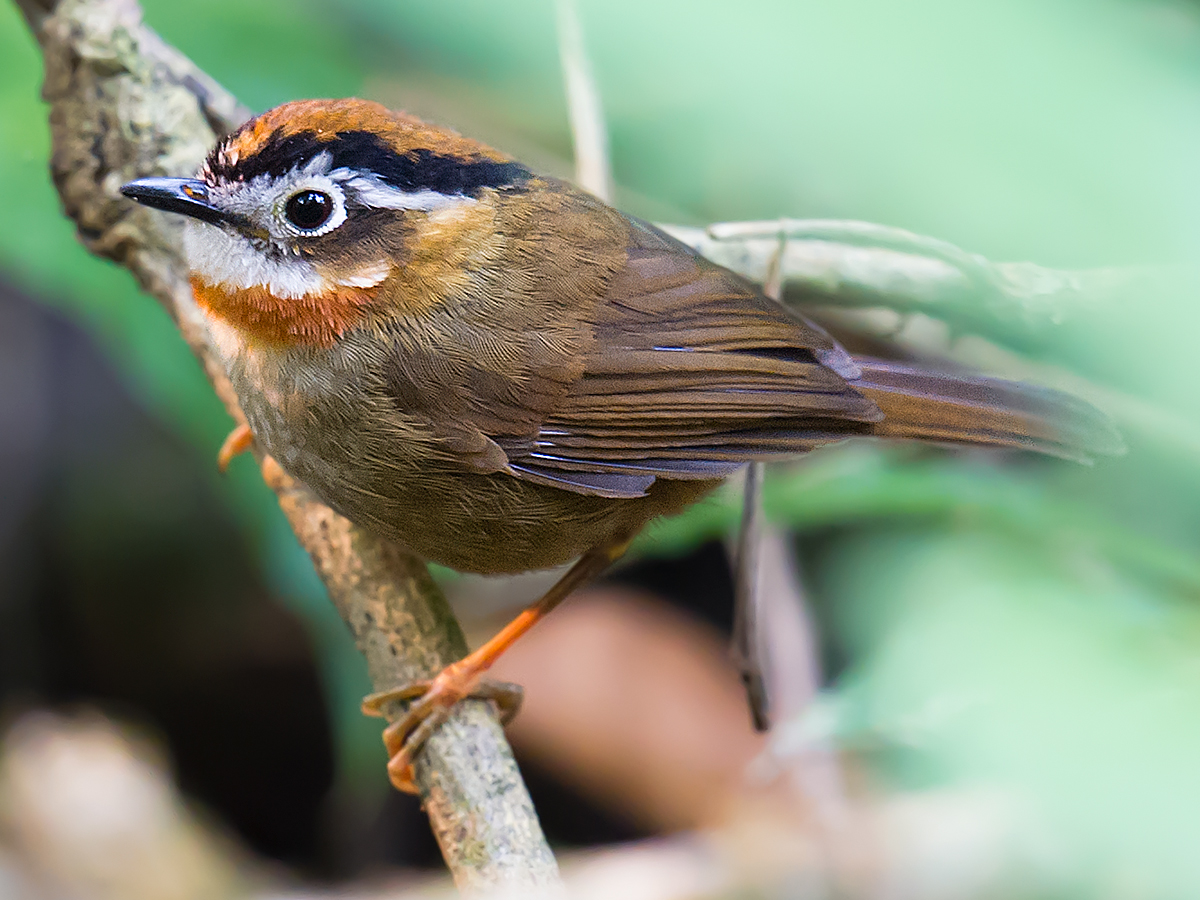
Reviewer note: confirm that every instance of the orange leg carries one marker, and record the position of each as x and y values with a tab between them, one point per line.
404	737
238	441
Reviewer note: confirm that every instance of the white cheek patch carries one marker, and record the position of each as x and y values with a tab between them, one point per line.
368	276
232	262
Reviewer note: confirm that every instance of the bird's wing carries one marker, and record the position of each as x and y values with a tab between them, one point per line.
635	359
692	373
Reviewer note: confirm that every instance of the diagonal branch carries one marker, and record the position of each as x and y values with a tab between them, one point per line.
126	105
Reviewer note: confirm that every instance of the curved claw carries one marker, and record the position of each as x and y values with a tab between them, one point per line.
236	442
405	737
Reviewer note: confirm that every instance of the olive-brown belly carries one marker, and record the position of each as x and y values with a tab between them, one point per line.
498	524
387	475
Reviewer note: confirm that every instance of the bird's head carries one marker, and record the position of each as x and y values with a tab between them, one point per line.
302	214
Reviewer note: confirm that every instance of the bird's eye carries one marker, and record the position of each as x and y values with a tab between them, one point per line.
309	210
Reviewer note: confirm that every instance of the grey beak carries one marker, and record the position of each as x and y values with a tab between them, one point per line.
178	195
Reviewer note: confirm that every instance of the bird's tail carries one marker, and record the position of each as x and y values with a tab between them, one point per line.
928	405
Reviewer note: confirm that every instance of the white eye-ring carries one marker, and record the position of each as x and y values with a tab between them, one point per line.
311	207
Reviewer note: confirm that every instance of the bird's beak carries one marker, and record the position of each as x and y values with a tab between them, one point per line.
179	195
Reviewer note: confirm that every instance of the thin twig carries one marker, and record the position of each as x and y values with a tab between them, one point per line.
125	105
749	644
860	264
593	171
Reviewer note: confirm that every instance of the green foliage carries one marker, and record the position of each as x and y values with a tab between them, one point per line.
1030	626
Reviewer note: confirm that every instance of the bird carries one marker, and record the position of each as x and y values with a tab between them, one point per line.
502	373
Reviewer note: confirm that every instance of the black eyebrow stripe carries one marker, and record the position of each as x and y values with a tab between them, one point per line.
417	170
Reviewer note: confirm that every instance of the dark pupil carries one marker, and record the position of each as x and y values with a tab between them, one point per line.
309	209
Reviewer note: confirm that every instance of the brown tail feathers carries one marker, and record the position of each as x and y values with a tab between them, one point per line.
934	406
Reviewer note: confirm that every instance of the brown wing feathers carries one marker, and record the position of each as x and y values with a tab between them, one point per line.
692	374
651	362
696	373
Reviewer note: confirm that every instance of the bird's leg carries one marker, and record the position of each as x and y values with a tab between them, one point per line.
404	737
238	441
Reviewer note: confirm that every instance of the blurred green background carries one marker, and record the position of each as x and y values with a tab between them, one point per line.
1011	624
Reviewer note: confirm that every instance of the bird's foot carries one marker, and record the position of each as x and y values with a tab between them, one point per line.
438	696
238	441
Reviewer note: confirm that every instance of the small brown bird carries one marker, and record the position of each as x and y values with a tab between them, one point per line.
502	373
